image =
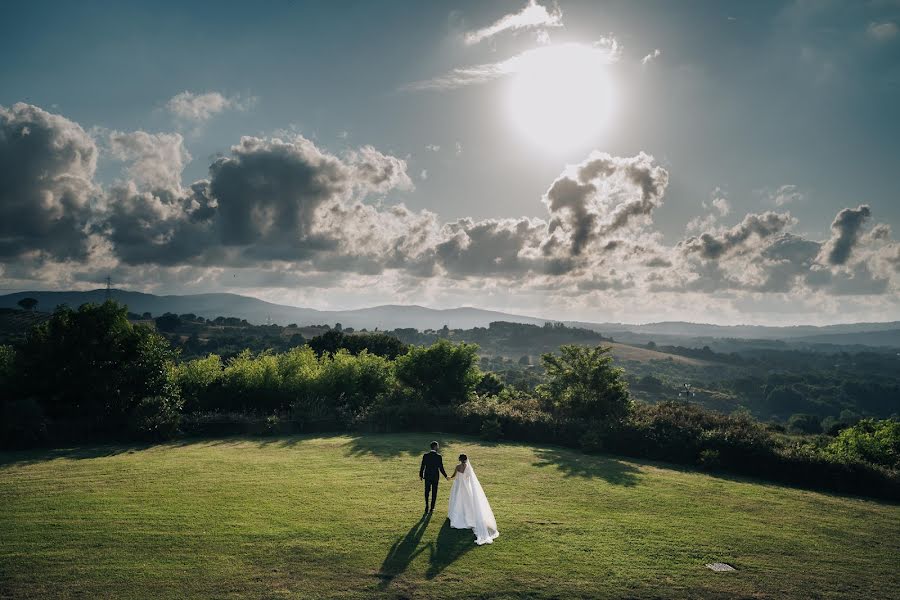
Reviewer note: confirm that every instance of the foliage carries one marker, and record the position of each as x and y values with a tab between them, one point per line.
377	343
802	423
91	362
443	373
156	418
871	441
199	381
22	423
27	303
490	385
581	382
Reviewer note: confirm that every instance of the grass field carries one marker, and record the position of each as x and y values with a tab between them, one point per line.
340	517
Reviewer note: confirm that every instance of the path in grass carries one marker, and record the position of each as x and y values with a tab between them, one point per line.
307	517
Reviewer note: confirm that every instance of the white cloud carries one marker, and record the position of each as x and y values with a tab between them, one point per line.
532	16
602	52
883	32
652	56
433	148
156	159
201	107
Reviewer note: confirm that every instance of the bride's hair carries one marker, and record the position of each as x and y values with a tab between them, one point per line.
463	458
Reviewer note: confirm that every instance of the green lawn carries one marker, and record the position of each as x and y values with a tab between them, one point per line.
321	517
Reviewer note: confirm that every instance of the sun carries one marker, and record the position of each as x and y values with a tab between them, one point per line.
560	96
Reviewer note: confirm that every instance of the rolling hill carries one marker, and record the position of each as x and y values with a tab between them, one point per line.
258	312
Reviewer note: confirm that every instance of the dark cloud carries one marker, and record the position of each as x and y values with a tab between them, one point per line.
713	246
602	194
845	231
47	165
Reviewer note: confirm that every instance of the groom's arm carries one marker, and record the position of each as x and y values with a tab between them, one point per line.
441	466
422	468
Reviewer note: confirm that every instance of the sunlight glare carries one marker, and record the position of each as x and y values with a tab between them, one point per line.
560	96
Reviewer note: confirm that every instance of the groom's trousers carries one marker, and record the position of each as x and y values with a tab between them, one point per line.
431	486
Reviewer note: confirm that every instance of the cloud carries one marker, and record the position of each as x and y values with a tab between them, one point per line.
532	16
882	32
714	245
651	57
47	165
603	194
283	213
156	159
602	52
845	231
432	147
201	107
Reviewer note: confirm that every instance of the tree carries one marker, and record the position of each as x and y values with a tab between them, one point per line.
168	322
490	385
525	360
582	382
93	364
802	423
443	373
27	303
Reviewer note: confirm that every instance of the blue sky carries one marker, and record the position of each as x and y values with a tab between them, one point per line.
748	108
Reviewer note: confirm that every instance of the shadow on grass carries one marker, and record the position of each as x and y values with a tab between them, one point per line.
39	455
391	446
402	553
449	546
575	464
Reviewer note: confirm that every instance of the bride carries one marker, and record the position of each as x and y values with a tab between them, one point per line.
469	508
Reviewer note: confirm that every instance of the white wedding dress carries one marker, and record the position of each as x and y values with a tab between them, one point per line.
469	508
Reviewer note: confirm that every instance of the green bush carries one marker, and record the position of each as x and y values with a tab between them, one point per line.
877	442
156	418
199	381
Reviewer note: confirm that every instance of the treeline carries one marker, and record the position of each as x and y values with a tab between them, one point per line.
90	374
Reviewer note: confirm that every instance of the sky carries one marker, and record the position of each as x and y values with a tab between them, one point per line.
722	162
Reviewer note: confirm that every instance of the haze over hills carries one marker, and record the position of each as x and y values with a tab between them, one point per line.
258	311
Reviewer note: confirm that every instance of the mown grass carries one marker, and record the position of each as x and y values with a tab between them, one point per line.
340	517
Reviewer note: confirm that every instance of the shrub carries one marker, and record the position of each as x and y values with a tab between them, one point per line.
877	442
199	381
491	429
156	418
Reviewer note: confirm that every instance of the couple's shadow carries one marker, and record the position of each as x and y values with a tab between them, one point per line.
449	546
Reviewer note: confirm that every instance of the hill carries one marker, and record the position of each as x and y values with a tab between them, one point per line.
340	517
258	312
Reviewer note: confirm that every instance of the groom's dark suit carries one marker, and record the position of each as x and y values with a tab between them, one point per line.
431	469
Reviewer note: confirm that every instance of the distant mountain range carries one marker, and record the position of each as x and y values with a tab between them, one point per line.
258	311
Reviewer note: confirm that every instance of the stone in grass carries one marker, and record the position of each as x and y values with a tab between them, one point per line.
720	567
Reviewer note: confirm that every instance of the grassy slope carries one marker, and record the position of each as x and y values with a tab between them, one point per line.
340	517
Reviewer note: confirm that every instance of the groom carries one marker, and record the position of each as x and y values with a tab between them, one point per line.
430	470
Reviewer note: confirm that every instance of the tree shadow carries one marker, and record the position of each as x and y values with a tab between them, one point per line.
450	545
38	455
385	446
575	464
403	552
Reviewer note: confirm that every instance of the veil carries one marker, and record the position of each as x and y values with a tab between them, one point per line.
469	507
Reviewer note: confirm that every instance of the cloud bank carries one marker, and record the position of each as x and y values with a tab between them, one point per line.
287	219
